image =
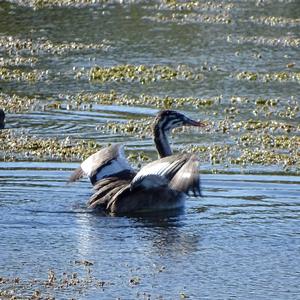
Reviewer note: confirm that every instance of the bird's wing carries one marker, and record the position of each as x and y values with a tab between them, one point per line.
187	179
178	173
108	188
162	179
159	172
107	162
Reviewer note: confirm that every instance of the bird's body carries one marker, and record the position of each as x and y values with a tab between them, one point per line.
161	185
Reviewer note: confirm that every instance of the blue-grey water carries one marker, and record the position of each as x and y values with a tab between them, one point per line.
241	240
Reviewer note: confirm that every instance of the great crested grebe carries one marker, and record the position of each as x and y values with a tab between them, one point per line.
160	185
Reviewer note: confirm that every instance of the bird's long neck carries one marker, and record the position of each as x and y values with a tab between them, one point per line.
161	142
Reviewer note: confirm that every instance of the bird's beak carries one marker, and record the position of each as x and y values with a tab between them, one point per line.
190	122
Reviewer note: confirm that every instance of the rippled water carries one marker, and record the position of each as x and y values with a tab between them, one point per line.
240	241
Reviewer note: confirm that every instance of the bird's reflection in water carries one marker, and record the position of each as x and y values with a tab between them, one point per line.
164	233
168	233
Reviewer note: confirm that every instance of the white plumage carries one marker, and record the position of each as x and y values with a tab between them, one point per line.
106	162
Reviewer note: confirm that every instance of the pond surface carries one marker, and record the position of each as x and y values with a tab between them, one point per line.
241	239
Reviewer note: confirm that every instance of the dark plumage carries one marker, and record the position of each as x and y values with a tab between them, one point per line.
160	185
2	119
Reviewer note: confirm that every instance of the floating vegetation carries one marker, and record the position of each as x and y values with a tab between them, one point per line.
53	285
271	125
143	73
18	144
191	18
235	123
16	103
138	157
196	5
61	3
260	150
267	141
266	102
282	108
287	41
17	61
275	21
290	111
234	151
84	263
170	4
235	134
267	77
140	128
112	98
269	157
14	45
7	74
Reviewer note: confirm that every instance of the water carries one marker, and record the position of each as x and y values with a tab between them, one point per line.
239	241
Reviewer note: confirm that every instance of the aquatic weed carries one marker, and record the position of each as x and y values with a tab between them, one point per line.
142	73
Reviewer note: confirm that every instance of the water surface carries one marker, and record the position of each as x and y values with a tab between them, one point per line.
241	239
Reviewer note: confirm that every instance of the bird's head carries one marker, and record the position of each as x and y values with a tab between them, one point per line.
167	120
